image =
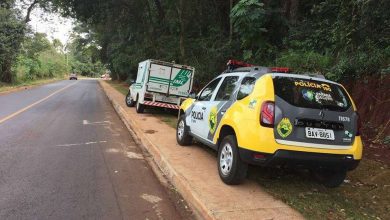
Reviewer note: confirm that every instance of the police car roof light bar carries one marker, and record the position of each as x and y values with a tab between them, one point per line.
233	64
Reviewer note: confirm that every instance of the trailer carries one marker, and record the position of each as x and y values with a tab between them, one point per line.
160	84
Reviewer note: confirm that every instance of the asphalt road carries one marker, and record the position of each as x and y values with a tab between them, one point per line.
65	154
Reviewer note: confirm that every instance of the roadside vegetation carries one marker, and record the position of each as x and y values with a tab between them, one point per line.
28	57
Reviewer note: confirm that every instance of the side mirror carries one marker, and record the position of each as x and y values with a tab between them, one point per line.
192	95
132	81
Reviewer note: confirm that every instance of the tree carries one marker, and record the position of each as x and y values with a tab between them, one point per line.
327	36
11	35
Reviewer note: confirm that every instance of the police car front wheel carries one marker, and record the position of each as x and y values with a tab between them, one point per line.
232	170
182	136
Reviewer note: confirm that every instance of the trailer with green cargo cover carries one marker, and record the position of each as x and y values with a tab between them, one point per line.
160	84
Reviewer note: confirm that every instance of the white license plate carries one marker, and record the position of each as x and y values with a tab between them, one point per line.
166	99
319	133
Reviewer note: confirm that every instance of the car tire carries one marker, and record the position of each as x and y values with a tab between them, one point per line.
232	170
139	107
330	178
129	101
183	137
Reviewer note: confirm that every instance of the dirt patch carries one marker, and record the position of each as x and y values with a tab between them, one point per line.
150	131
372	97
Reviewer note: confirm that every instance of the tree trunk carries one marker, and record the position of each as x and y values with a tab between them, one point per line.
294	11
180	11
290	9
6	73
230	23
29	9
160	10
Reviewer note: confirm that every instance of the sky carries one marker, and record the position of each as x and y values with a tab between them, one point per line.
55	26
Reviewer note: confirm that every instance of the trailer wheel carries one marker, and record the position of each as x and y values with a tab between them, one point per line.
129	101
139	107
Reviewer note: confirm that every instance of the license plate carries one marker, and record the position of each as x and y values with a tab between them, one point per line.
166	99
319	133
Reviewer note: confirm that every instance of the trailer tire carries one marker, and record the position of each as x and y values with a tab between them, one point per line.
129	101
139	107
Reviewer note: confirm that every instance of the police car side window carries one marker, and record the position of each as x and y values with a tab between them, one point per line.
208	91
246	87
227	88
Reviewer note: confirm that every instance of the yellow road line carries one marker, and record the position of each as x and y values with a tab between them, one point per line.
34	104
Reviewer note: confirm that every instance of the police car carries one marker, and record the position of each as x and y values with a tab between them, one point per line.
270	117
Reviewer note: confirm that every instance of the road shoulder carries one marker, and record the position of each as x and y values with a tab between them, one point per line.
193	171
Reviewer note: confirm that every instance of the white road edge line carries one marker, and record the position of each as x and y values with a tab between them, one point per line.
79	144
86	122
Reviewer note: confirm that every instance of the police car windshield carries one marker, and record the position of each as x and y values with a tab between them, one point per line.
308	93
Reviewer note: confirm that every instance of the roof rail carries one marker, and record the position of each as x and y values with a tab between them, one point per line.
317	75
252	69
281	70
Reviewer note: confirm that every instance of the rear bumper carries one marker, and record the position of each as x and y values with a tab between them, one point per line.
161	104
307	160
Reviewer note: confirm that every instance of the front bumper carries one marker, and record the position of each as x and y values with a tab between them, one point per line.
307	160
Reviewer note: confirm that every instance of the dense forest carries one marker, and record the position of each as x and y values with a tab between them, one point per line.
341	39
337	38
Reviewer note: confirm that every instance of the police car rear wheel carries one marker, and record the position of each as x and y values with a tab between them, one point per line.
182	136
129	101
330	178
232	170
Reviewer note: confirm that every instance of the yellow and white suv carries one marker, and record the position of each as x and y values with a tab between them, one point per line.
264	116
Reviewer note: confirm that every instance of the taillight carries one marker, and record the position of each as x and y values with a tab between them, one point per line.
359	125
267	115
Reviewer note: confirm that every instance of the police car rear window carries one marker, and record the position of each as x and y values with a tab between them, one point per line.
308	93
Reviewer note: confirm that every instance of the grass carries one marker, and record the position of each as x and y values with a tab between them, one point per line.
167	116
364	195
4	87
120	86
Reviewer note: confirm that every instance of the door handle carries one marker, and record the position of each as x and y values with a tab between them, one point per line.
204	108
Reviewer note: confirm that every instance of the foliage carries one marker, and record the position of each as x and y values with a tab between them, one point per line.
342	39
84	54
11	34
39	58
25	56
337	38
305	61
249	18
